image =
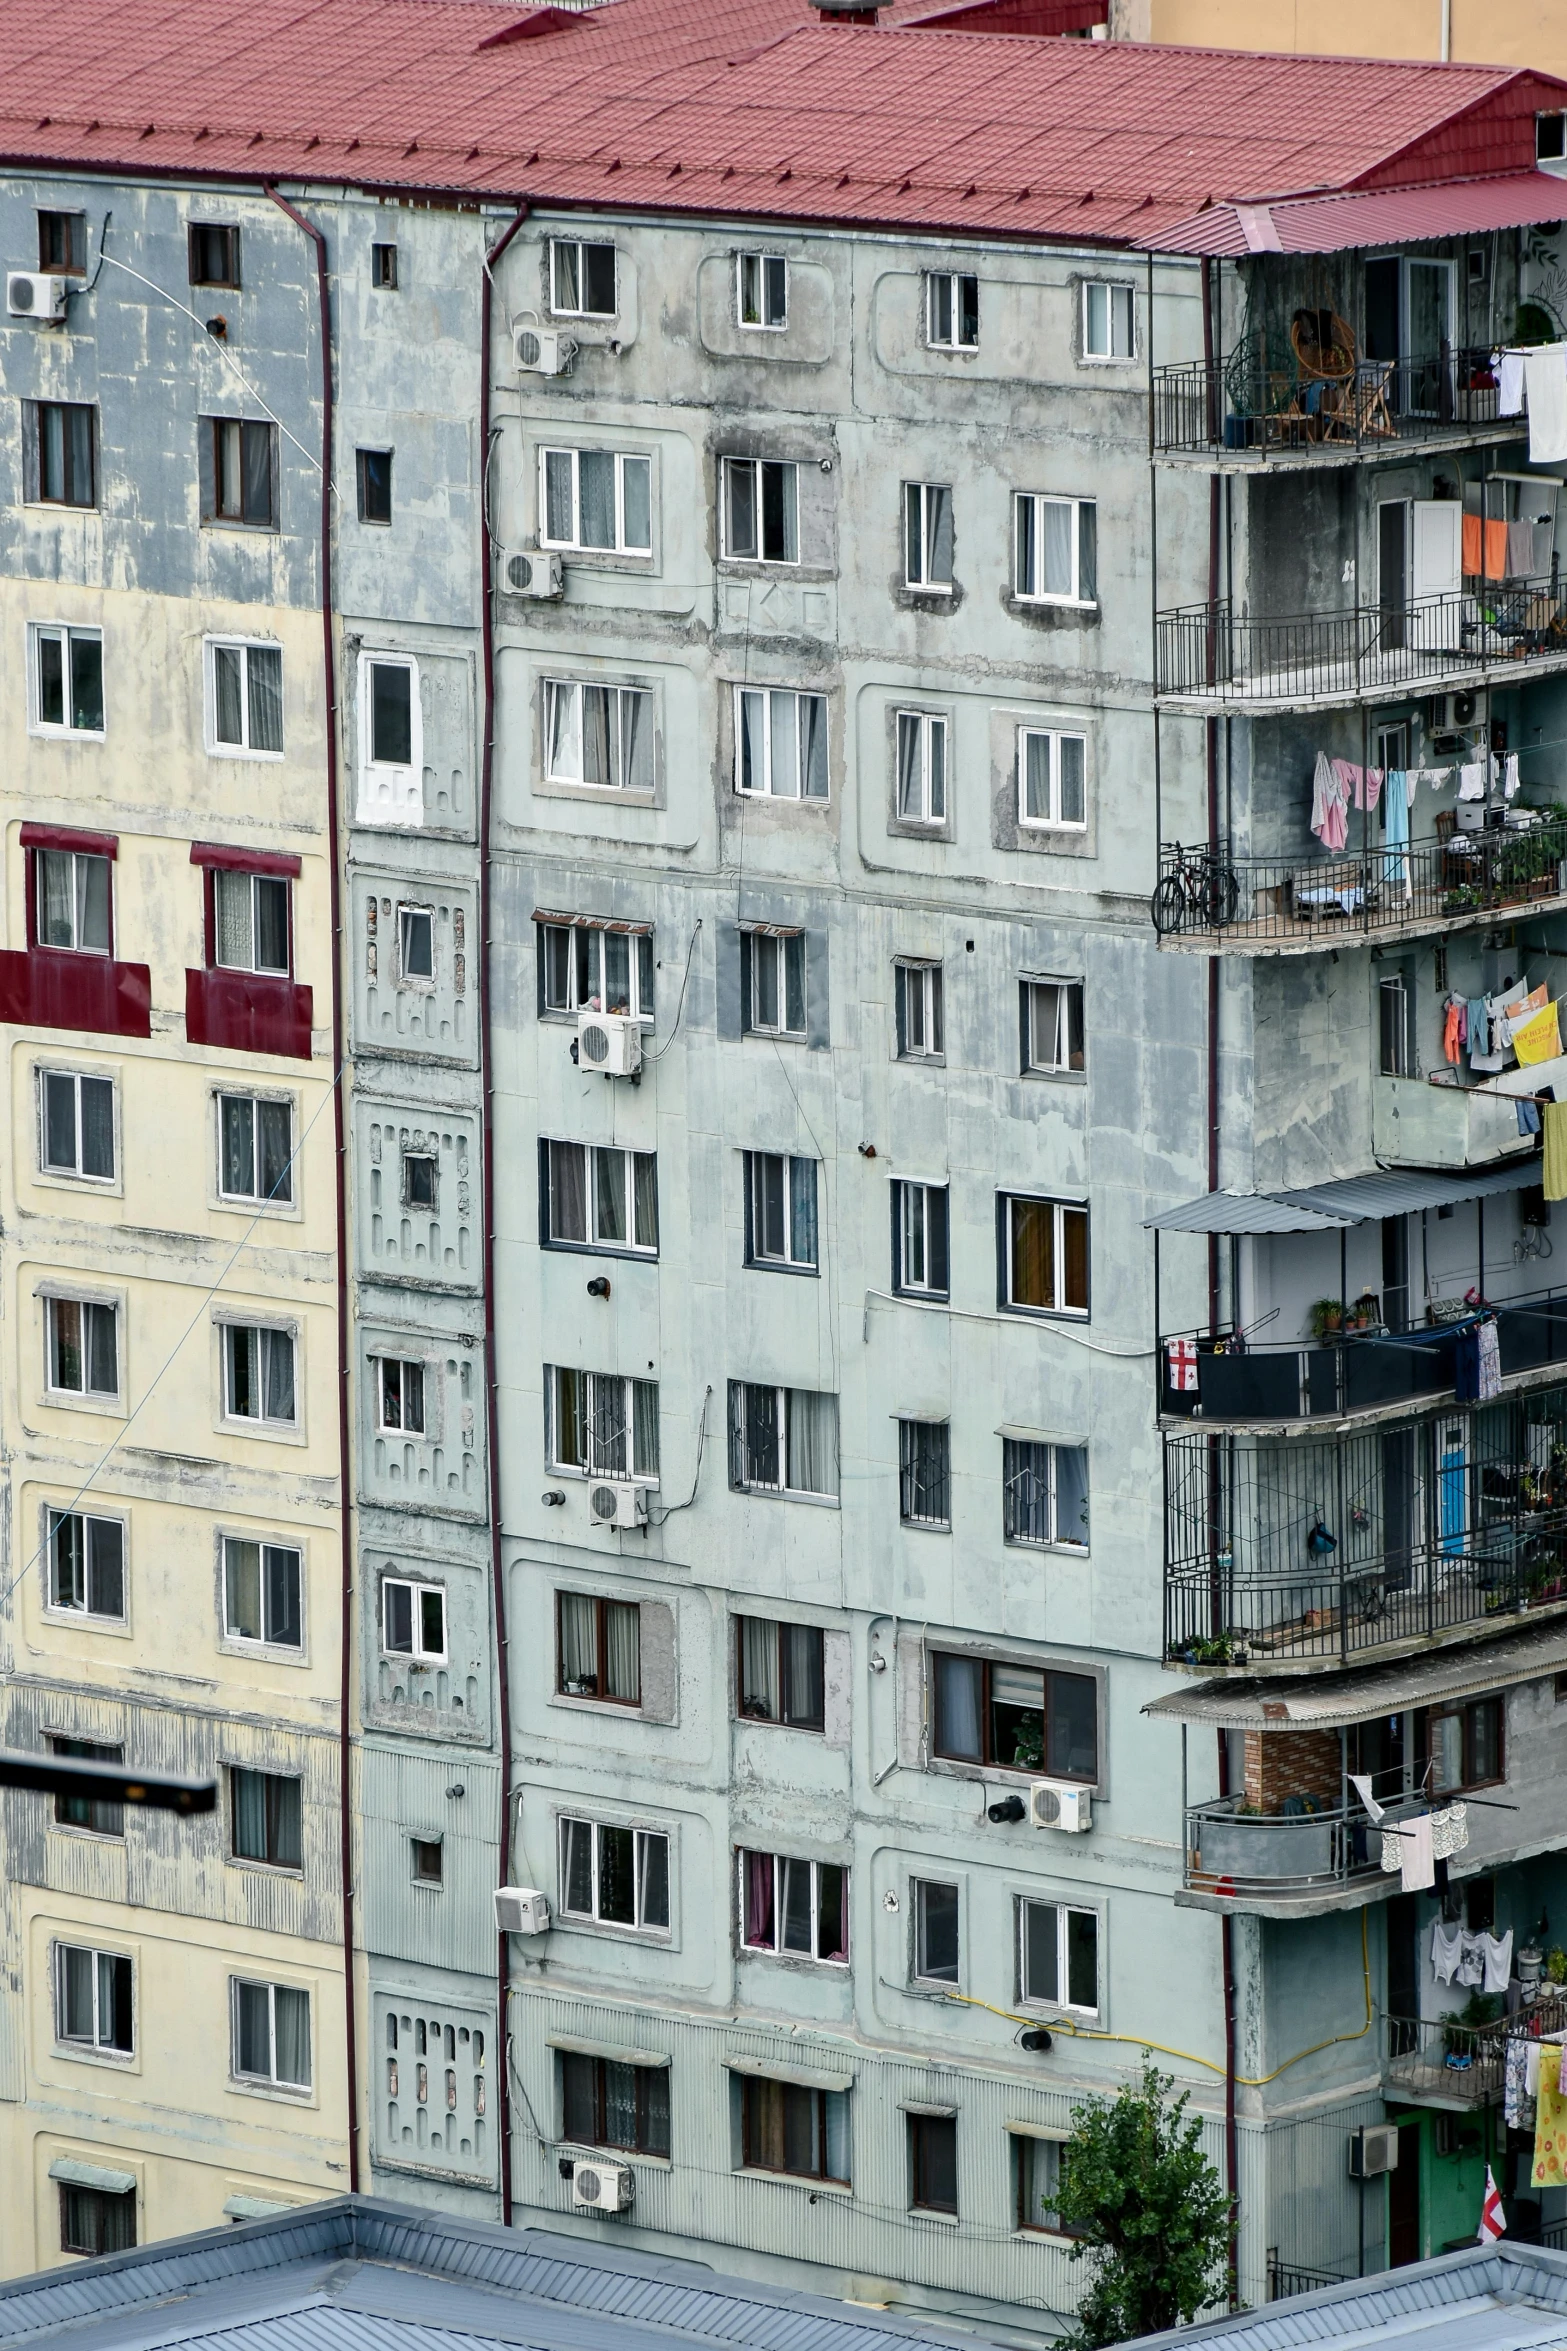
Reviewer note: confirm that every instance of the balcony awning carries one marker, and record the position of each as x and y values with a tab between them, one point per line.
1337	223
1349	1200
1327	1701
1244	1212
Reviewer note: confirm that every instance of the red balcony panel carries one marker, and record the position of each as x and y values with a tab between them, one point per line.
248	1012
52	988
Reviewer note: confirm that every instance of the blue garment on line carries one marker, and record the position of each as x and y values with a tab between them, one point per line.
1479	1026
1395	808
1528	1117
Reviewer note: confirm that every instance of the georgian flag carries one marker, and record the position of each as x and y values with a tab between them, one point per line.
1493	2220
1182	1355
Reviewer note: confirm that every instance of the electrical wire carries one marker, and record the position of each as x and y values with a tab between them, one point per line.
681	1003
696	1474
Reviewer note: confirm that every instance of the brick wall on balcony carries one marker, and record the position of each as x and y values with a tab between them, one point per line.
1290	1763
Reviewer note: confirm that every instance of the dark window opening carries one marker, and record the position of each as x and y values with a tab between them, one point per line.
266	1819
1016	1717
96	2220
62	243
782	1673
788	2127
606	2104
64	453
933	2162
105	1816
383	268
426	1854
375	484
214	254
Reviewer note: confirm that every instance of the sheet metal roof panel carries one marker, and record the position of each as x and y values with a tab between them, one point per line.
1510	2295
1245	1212
1334	224
1394	1191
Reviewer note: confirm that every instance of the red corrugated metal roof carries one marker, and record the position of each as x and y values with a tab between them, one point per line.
750	107
1383	216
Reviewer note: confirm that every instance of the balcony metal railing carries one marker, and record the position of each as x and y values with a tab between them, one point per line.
1317	1848
1291	2277
1439	2061
1208	653
1241	406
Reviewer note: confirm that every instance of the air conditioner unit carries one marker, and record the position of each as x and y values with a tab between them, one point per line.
602	2187
521	1910
1055	1804
527	572
609	1042
541	351
36	294
1449	713
1373	2150
616	1502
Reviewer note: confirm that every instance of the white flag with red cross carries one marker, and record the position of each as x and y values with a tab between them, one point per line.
1183	1366
1493	2220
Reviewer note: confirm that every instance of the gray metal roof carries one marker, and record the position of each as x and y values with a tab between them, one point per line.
1490	2298
1243	1212
1324	1701
1348	1200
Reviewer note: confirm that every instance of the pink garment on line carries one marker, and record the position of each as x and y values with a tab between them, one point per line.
1329	804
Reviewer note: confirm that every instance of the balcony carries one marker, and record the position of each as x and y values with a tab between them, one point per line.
53	988
1209	659
1425	1122
248	1012
1245	417
1437	2061
1286	1860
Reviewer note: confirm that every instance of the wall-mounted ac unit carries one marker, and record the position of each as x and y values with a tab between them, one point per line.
36	294
1448	713
609	1042
541	351
616	1502
1057	1804
602	2187
528	572
1373	2149
521	1910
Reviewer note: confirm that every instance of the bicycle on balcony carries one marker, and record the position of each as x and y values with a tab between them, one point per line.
1198	890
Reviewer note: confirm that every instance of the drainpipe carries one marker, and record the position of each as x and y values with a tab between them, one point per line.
1231	2136
491	1392
340	1163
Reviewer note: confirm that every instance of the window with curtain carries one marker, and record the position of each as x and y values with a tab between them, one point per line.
1052	780
72	901
797	1909
76	1125
1107	320
1052	1025
919	1239
922	767
615	1876
97	2220
65	434
783	1440
271	2034
933	2162
1462	1744
1058	1956
255	1148
925	1473
262	1588
1044	1493
608	2103
1014	1717
772	983
927	537
792	2128
93	1999
599	735
600	1199
780	1205
602	1425
258	1371
1041	2176
87	1564
951	310
582	278
1056	541
82	1347
1045	1255
245	698
780	743
782	1673
761	510
104	1816
586	966
598	1648
762	290
250	922
244	470
596	501
266	1818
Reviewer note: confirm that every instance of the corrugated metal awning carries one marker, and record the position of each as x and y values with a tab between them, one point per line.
593	922
1327	1701
1362	1199
1243	1212
1383	216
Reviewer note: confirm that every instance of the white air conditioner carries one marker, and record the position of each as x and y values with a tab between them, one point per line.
602	2187
36	294
616	1502
541	351
1373	2150
1449	713
527	572
1056	1804
609	1042
521	1910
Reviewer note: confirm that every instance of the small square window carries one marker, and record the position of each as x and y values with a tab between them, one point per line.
244	467
67	680
383	268
1107	321
262	1587
582	279
413	1620
72	901
214	254
97	2220
76	1125
952	311
93	2000
763	287
400	1396
63	453
425	1853
62	243
419	1180
375	484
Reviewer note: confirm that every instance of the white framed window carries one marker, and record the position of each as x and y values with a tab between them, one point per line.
258	1374
73	900
582	278
76	1125
599	735
263	1593
1107	320
250	922
390	718
602	1425
399	1390
617	1877
922	767
917	1011
772	983
780	1211
93	2000
951	310
936	1931
87	1565
1057	549
1058	1956
783	1441
1041	2176
416	946
82	1353
762	290
919	1213
927	537
596	501
413	1620
266	1818
798	1909
255	1148
270	2026
65	673
1052	780
761	510
1053	1025
1044	1494
780	743
588	967
244	699
596	1198
1045	1254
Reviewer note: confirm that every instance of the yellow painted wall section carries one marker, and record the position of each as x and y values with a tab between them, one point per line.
1512	34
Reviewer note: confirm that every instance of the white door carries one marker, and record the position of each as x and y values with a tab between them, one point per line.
1436	551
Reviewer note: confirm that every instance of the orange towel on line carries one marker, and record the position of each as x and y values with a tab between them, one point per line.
1484	555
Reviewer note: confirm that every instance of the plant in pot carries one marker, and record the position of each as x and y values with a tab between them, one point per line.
1327	1320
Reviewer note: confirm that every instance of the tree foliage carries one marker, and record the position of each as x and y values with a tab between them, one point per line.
1147	2208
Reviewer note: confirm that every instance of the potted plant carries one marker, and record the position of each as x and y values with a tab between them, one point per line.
1327	1321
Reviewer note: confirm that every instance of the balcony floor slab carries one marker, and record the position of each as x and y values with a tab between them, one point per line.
1393	677
1259	938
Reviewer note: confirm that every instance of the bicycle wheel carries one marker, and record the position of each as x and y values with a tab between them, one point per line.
1221	895
1167	906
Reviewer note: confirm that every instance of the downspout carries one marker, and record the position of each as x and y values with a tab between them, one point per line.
1231	2136
491	1384
340	1146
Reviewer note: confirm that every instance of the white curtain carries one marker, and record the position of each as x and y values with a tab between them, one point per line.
644	1459
558	501
609	1197
579	1663
1058	548
813	747
278	1354
293	2034
1073	792
959	1683
636	741
623	1651
813	1442
596	480
235	931
266	698
636	481
228	724
759	1692
645	1192
1036	777
564	732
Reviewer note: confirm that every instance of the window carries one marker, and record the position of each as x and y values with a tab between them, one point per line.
261	1593
952	311
1046	1255
780	1211
245	698
83	1347
62	243
596	500
1107	321
73	902
214	254
67	680
1041	2176
790	2128
917	1011
582	279
103	1815
933	2162
87	1564
761	509
600	735
426	1860
389	706
1550	137
383	268
374	470
92	1995
602	1425
258	1373
607	2104
255	1145
782	1673
1016	1717
780	744
1059	1956
772	983
63	452
1044	1493
599	1648
599	1199
922	767
617	1877
416	945
242	472
271	2028
97	2220
919	1239
782	1440
1052	1025
799	1909
1395	1008
763	289
400	1396
76	1125
419	1180
250	927
925	1473
1056	543
1463	1745
927	537
935	1932
585	967
266	1819
1052	779
413	1620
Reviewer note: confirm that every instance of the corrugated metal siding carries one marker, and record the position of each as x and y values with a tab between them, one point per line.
404	1795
